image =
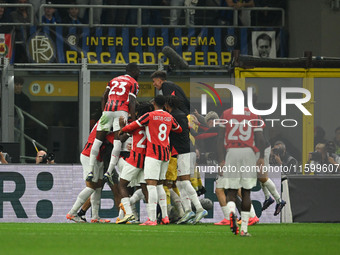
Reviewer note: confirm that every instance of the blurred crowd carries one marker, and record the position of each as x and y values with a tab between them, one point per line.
74	15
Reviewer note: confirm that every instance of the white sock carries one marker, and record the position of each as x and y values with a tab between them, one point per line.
117	145
137	196
127	206
134	211
184	197
95	203
269	184
192	195
225	212
94	152
153	199
252	213
162	200
265	191
81	199
231	207
245	219
177	201
121	214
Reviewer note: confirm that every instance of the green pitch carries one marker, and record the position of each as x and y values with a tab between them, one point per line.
73	239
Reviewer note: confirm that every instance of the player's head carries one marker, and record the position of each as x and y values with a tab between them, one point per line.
159	102
264	44
171	103
143	107
132	69
158	78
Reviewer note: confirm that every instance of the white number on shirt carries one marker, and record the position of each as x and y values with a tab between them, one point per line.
162	132
140	143
121	85
244	131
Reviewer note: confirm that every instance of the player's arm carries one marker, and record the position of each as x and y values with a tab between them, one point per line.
132	106
175	127
105	97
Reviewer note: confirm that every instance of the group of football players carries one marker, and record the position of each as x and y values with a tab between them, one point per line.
154	154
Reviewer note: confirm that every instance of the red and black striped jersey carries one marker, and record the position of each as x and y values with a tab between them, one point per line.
120	89
158	125
240	129
137	154
88	146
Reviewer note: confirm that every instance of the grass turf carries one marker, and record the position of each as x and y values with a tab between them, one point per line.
64	239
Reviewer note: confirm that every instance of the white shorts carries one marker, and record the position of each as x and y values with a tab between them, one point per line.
186	163
240	171
110	120
155	169
132	174
98	168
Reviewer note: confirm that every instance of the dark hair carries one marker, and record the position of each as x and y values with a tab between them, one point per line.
265	37
159	74
132	68
160	101
18	80
173	101
143	107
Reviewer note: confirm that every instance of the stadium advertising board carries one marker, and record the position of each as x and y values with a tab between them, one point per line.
45	193
198	46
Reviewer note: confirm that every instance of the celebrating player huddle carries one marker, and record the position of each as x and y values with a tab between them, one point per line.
161	132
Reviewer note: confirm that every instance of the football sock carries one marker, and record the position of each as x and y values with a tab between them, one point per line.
192	195
137	195
265	191
167	192
127	206
153	199
95	203
94	152
225	212
121	214
177	202
252	213
184	197
117	145
231	207
82	197
269	184
245	219
162	200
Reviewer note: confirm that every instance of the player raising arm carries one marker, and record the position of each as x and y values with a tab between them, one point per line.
158	125
118	100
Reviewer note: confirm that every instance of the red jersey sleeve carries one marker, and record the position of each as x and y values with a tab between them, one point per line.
175	126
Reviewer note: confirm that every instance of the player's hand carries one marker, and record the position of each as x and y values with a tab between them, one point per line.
122	122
